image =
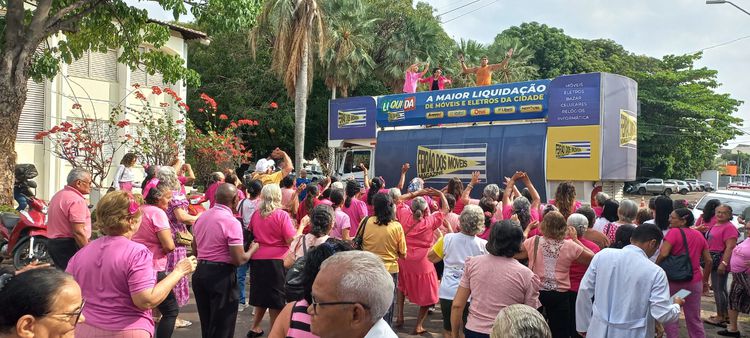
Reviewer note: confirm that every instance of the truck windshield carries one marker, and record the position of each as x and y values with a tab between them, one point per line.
354	158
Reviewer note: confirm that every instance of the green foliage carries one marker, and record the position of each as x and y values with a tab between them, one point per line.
554	52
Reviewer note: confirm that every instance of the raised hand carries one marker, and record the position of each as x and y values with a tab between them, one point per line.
405	167
474	178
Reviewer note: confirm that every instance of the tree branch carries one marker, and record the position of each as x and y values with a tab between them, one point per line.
68	25
36	27
65	11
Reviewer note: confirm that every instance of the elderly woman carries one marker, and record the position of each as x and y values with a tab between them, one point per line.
483	274
156	235
592	235
44	302
599	199
581	224
550	257
454	249
722	238
322	221
179	220
739	295
274	231
117	276
520	321
627	210
383	235
418	280
608	216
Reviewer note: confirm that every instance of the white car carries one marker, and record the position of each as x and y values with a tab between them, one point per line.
682	187
738	200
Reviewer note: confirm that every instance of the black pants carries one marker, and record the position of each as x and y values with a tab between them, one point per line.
217	297
169	311
572	303
556	309
61	250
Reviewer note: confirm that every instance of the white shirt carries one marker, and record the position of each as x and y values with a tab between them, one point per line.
124	174
381	330
456	248
600	223
617	311
246	209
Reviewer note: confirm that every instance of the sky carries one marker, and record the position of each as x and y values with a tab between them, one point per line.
646	27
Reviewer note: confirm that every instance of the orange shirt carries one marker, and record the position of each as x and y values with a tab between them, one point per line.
484	76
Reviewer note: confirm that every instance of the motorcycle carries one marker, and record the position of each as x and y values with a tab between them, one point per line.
195	206
24	236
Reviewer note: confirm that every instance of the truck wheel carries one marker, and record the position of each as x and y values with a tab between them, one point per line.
21	253
683	192
667	192
641	191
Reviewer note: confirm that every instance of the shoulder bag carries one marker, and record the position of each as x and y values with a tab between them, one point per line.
678	267
359	237
295	288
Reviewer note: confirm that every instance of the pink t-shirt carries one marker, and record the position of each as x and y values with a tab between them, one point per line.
215	231
719	234
182	180
356	211
410	81
553	260
286	197
696	244
710	224
153	220
483	274
577	270
598	211
326	202
740	257
454	220
341	224
110	270
272	233
370	207
66	208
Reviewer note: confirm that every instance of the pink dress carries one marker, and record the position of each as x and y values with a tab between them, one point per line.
417	278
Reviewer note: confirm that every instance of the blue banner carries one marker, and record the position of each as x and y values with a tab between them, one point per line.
500	102
351	118
575	100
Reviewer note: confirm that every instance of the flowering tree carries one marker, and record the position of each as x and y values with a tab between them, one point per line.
87	142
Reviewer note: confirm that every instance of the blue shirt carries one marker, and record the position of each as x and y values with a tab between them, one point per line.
300	181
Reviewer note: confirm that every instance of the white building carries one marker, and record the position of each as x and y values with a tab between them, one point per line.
98	83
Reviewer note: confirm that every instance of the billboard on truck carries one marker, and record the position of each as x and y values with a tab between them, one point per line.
439	154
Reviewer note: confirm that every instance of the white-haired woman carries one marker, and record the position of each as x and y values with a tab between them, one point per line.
577	270
453	249
274	231
520	321
417	278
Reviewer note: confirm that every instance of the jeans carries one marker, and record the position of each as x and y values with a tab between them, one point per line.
169	311
389	315
473	334
691	309
21	199
719	283
241	278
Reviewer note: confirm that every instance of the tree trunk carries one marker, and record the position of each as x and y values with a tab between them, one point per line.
12	100
333	92
300	108
345	91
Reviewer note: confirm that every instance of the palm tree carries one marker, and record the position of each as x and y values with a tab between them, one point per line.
349	35
472	51
296	26
520	66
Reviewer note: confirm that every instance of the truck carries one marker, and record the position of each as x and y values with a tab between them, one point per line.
579	128
657	186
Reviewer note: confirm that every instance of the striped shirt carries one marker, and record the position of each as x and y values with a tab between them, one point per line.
299	325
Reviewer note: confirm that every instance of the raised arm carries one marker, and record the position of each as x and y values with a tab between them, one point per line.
189	174
510	184
536	200
286	160
366	176
426	68
465	69
443	201
504	63
467	191
402	179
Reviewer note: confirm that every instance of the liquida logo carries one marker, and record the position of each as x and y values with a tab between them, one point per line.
352	118
573	149
441	163
397	108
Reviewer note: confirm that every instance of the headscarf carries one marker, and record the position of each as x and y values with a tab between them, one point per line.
416	184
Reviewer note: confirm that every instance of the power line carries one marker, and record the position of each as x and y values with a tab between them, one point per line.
722	44
457	8
469	12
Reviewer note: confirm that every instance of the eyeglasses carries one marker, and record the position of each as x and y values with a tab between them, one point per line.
315	305
70	315
723	212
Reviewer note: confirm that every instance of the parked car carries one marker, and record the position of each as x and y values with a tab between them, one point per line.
656	186
738	200
706	186
738	185
682	186
694	185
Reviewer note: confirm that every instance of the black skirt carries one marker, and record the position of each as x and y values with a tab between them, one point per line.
267	278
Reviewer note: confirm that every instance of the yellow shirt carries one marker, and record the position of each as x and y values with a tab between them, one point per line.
386	241
484	76
270	178
438	247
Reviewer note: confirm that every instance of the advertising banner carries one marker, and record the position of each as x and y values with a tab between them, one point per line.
575	100
351	118
619	128
513	101
573	153
437	155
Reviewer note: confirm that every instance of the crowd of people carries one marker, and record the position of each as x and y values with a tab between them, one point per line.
331	259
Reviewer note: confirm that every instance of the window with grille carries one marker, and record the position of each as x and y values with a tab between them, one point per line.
143	78
95	65
32	115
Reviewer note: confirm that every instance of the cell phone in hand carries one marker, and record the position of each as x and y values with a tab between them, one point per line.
682	294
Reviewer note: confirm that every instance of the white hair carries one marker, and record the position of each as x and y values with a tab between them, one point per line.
168	176
472	220
337	185
579	222
600	198
76	174
627	211
394	193
491	191
363	279
520	321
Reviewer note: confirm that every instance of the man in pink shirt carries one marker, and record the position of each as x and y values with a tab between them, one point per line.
218	244
69	219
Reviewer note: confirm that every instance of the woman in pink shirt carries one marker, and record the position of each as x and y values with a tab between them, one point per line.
342	223
412	76
550	257
311	201
493	282
708	218
526	210
722	238
289	201
354	207
437	81
117	275
417	279
674	242
274	231
581	224
739	296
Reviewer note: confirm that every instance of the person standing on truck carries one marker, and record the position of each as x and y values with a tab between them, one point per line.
484	71
437	81
413	76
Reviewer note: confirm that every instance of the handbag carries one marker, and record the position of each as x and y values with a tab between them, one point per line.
359	238
532	263
679	268
184	238
295	288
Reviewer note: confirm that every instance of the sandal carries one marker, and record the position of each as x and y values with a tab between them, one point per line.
728	333
710	321
181	323
253	334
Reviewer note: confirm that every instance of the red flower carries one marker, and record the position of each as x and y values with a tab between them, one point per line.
136	85
123	123
76	106
274	105
40	135
232	124
140	96
180	121
200	110
156	90
163	104
66	125
256	122
223	117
